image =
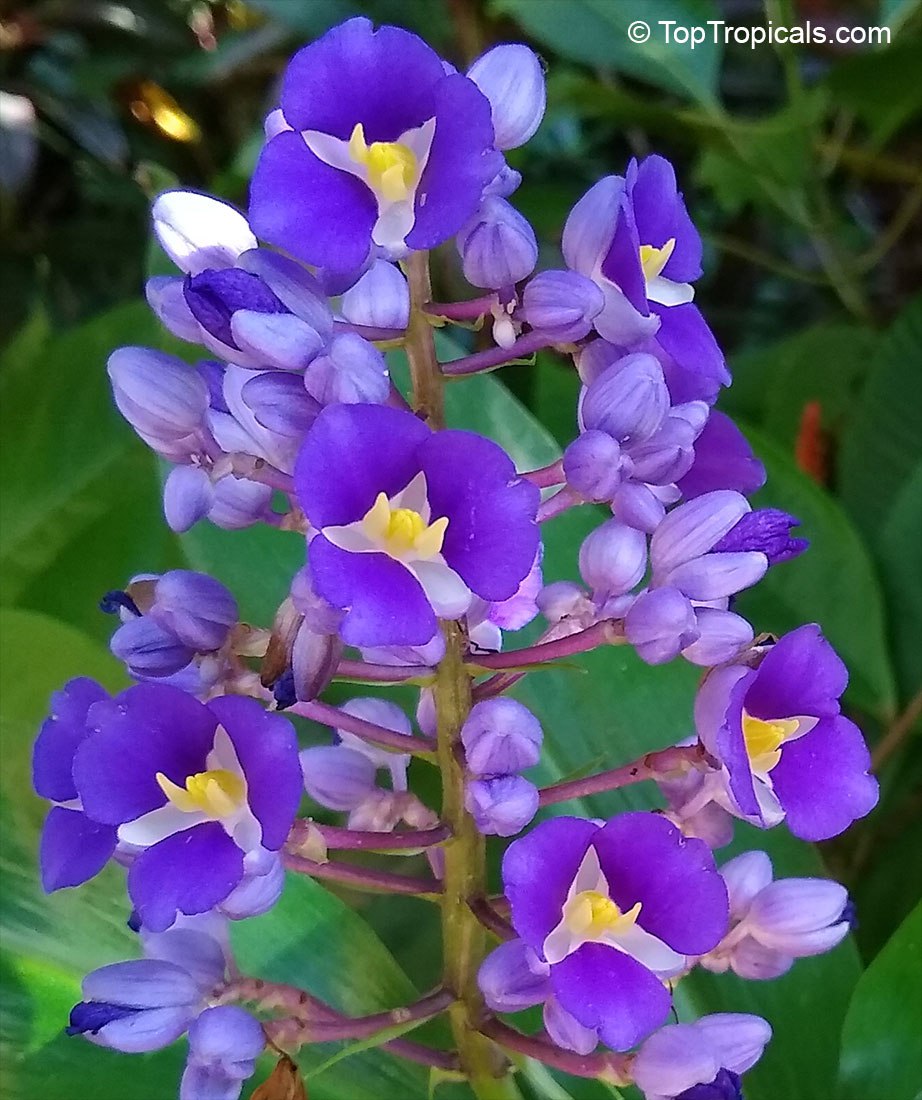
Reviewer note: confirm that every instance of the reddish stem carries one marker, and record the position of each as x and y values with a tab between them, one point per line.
462	311
382	674
335	718
361	878
652	766
605	1067
367	840
496	357
606	632
547	476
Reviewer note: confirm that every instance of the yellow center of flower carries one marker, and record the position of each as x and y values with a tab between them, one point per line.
217	793
402	532
391	167
764	739
589	914
653	260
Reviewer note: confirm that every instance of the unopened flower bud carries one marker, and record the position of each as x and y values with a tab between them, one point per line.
513	977
380	299
592	465
561	598
501	736
275	339
799	916
721	636
187	497
628	400
767	530
198	232
337	777
638	506
502	806
161	397
613	558
497	246
314	659
351	371
194	607
238	502
280	403
660	624
561	304
214	296
165	297
256	894
512	78
148	649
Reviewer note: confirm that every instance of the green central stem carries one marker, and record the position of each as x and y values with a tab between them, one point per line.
463	937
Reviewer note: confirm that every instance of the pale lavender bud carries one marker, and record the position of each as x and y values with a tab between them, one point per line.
561	598
165	297
667	455
187	497
497	246
638	506
256	894
695	527
660	624
319	615
148	649
757	963
799	916
592	465
279	340
280	403
380	299
426	717
512	78
716	576
293	285
722	635
612	559
500	736
314	660
513	977
382	713
746	876
337	777
238	502
501	806
737	1038
350	371
566	1031
672	1060
161	397
629	400
505	183
593	358
198	232
224	1043
194	607
561	304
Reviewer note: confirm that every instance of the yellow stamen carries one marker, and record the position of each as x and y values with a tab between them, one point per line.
402	531
590	913
653	260
392	167
217	793
764	739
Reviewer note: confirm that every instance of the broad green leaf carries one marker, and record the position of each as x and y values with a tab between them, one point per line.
81	501
833	583
596	32
881	86
881	1052
899	551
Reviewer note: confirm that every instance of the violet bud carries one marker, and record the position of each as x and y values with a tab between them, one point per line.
667	454
275	339
256	894
382	713
513	977
561	304
512	78
194	607
214	296
161	397
566	1031
629	400
501	736
497	246
767	530
638	506
559	599
319	615
502	806
314	660
199	232
722	635
380	299
755	962
660	624
612	558
187	497
238	502
695	527
351	371
592	465
746	875
224	1043
799	916
148	649
165	297
674	1059
280	403
294	286
337	777
716	576
737	1038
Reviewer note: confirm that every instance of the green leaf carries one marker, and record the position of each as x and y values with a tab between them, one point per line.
595	32
881	1053
313	939
881	86
81	507
833	583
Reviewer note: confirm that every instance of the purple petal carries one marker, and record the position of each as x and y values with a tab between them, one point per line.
822	780
717	576
723	460
61	733
140	1032
267	748
611	992
767	530
538	870
719	721
291	188
645	858
621	264
660	215
189	872
800	674
385	603
73	848
694	527
226	1034
147	729
566	1031
492	535
685	336
512	977
352	453
142	983
590	226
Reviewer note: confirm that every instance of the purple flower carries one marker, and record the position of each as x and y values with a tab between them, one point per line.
73	848
497	245
614	910
786	750
388	149
767	530
224	1043
500	736
703	1060
774	923
502	805
561	304
411	524
200	793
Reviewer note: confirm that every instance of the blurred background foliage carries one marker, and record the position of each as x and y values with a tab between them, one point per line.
802	166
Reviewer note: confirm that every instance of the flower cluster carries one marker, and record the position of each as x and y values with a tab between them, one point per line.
422	553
